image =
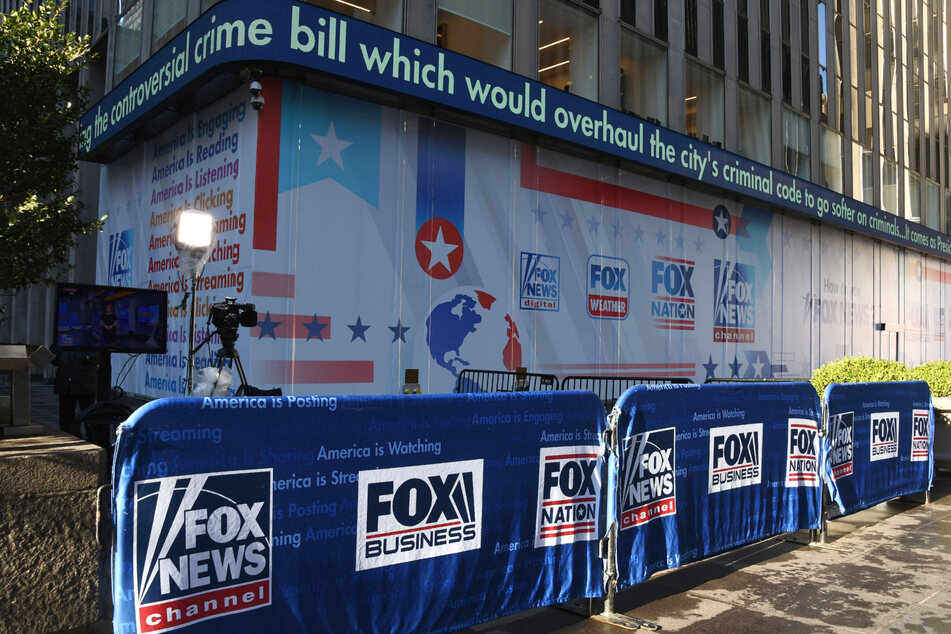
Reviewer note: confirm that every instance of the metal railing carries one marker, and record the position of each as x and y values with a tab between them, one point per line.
501	381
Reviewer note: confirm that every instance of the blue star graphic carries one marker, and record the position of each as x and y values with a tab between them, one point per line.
735	368
267	327
698	245
680	241
710	366
618	229
358	330
398	331
315	329
638	233
539	214
661	238
593	225
566	221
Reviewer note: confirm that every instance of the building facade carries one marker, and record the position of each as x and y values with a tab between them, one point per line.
698	188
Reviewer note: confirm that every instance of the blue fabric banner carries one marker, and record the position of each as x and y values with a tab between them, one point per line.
705	468
371	514
880	440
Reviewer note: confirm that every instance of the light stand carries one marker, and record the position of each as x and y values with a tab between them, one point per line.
194	236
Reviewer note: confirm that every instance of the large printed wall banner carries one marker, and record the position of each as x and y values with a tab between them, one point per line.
370	514
373	240
880	440
706	468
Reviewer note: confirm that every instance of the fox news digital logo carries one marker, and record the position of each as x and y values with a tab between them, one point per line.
120	258
919	435
841	428
608	293
734	315
202	547
648	481
540	283
411	513
672	304
569	495
884	428
802	453
735	457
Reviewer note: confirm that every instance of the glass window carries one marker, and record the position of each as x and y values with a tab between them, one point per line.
831	159
862	165
660	20
753	137
933	205
690	27
385	13
766	77
703	103
890	186
718	52
643	77
742	41
795	144
128	42
823	64
912	196
568	48
482	30
168	19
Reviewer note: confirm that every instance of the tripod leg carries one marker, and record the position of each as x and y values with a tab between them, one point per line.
237	363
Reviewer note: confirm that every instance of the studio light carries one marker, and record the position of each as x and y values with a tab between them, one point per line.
194	237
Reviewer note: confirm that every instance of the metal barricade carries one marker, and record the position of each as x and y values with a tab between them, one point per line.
610	388
501	381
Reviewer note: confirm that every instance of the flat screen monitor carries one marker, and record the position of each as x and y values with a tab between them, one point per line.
110	318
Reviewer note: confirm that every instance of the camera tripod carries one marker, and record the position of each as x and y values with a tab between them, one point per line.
228	351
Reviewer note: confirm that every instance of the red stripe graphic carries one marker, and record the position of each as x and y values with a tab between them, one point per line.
551	181
414	530
273	284
267	167
318	372
575	501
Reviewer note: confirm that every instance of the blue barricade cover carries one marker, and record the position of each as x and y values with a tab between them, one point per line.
705	468
880	439
371	514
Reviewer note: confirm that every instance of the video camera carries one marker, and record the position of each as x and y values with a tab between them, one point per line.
228	315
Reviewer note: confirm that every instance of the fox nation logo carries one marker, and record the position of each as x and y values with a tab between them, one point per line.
540	283
411	513
120	258
884	428
648	483
734	315
919	435
202	547
569	495
841	433
802	453
672	298
736	455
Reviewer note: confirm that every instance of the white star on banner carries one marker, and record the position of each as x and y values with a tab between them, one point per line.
439	251
331	146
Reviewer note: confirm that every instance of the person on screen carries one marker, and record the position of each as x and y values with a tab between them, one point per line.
77	377
109	322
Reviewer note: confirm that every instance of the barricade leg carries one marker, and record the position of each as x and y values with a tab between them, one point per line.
609	616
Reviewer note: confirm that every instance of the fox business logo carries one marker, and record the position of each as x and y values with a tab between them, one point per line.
540	282
841	428
735	457
411	513
120	258
202	547
672	302
648	482
569	495
608	294
920	422
802	453
884	428
734	315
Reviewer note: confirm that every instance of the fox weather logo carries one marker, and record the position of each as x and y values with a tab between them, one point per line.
120	258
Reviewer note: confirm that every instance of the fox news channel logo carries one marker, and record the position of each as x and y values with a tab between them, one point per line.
608	294
802	453
734	315
841	428
412	513
569	495
120	258
884	429
920	422
540	282
736	457
672	302
202	547
648	477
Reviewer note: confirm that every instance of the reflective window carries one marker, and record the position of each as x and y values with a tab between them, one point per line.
703	103
753	136
128	41
168	19
643	80
933	205
889	186
795	144
863	164
912	196
568	48
482	30
385	13
831	159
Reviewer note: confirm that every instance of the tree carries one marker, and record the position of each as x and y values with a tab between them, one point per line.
41	105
